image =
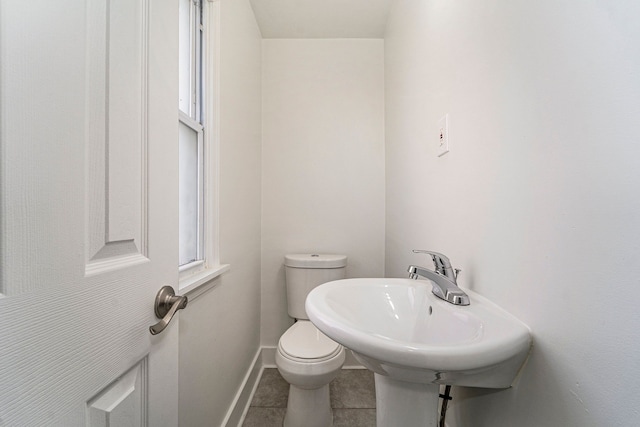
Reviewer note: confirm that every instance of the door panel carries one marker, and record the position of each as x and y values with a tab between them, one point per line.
116	128
88	214
123	402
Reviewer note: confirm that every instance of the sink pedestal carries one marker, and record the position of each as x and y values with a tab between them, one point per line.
401	403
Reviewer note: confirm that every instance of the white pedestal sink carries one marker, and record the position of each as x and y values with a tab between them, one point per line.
402	403
414	342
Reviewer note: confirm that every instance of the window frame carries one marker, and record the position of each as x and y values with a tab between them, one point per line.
202	271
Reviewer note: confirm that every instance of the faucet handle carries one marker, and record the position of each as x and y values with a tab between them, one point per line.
440	260
442	263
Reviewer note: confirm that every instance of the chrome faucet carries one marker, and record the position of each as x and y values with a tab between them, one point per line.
444	278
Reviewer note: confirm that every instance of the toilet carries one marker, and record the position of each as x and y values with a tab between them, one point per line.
306	358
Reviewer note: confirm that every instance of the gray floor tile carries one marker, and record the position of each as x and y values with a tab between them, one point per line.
272	391
352	397
264	417
353	388
354	418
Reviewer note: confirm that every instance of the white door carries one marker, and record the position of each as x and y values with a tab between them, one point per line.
88	214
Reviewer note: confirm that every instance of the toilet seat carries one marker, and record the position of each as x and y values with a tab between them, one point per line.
308	360
304	343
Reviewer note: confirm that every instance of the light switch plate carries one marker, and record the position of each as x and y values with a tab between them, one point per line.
443	135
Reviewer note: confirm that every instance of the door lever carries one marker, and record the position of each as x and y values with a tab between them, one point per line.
166	305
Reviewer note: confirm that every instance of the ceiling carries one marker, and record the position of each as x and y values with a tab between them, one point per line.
321	18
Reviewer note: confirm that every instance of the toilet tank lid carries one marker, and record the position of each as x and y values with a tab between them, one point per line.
315	261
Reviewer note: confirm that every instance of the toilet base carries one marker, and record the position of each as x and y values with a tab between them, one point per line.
308	408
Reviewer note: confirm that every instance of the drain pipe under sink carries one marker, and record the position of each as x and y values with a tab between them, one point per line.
446	397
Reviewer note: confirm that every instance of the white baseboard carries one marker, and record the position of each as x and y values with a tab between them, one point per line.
351	362
265	358
269	357
238	410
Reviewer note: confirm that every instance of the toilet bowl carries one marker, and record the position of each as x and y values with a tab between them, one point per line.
306	358
308	361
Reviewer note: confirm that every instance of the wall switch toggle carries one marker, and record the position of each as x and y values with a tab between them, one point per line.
443	135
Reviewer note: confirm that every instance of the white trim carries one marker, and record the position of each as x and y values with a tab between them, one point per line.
269	357
101	266
190	283
351	362
184	118
190	268
212	134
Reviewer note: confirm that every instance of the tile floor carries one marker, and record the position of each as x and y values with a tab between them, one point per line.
353	400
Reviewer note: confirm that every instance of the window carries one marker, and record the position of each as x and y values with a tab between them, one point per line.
190	190
191	132
197	139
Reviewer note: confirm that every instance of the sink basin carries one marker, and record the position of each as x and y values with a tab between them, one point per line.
414	341
397	327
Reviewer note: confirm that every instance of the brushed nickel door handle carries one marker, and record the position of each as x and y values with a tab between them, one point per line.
166	305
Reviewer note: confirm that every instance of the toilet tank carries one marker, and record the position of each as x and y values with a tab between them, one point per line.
303	272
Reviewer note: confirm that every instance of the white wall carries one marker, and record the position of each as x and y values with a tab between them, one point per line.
220	331
323	161
538	200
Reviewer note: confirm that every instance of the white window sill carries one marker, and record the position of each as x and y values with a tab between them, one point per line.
195	284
